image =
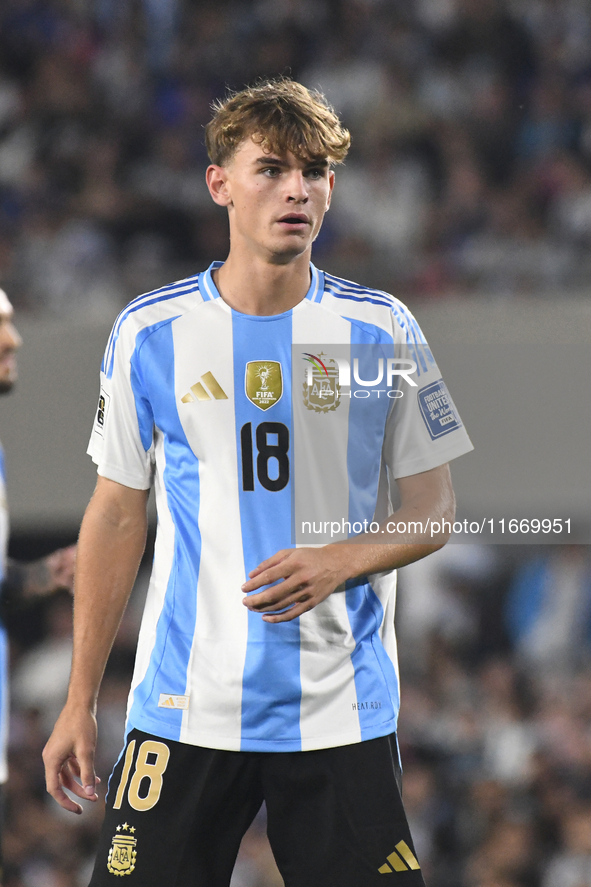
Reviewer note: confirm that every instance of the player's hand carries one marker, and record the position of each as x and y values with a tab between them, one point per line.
309	575
60	566
69	759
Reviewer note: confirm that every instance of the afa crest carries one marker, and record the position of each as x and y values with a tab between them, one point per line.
322	391
263	383
122	853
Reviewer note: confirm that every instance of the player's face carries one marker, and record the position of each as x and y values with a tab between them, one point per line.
276	202
10	341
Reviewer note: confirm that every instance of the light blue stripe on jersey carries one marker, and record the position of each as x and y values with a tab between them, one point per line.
345	289
316	290
364	452
375	675
153	381
272	663
364	456
207	287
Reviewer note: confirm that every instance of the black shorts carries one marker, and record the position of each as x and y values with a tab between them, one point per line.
176	814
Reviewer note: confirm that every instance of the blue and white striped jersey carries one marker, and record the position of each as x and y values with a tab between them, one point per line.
246	425
4	528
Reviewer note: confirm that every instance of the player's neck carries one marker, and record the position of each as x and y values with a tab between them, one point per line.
252	286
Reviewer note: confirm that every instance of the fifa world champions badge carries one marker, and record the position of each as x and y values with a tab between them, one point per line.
322	391
264	383
122	853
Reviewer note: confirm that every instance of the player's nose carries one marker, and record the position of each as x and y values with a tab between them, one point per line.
297	186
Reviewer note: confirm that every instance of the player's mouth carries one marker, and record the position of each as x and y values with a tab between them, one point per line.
294	221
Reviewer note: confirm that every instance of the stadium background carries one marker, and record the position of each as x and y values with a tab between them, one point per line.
468	195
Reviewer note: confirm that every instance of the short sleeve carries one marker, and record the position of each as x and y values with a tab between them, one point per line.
424	429
121	443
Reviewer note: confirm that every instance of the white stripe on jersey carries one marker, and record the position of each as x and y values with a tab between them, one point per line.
214	679
325	648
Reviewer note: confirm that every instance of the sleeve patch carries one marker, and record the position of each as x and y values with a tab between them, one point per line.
101	412
438	410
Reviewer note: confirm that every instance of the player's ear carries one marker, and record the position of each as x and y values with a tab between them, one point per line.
330	186
217	183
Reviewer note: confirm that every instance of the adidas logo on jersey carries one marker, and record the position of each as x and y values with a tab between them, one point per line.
200	392
401	861
168	700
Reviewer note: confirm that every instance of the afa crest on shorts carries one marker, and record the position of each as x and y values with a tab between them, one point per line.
322	391
122	852
263	383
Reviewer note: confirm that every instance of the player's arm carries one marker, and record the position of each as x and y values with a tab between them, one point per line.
110	547
310	574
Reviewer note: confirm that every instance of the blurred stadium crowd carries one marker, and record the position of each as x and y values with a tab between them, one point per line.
471	122
495	730
470	173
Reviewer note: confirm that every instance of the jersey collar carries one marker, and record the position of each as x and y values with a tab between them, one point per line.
209	290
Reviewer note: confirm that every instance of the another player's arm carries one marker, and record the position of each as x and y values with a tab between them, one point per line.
40	577
111	544
310	574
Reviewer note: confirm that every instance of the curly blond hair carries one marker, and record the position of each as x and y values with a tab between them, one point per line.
279	115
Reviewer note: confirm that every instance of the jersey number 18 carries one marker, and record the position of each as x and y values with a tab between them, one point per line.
272	442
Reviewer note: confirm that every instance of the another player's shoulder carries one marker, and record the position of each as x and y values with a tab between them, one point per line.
151	310
370	306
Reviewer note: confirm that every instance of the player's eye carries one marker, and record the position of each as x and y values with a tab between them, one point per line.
272	171
315	173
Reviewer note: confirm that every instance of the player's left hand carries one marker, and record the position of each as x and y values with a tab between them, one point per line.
309	575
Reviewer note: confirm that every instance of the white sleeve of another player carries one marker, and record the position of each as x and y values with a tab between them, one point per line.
116	444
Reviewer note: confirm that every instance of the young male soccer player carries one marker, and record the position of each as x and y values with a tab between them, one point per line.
265	671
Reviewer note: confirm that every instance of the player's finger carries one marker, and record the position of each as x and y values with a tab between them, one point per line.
273	598
53	781
68	781
268	577
88	777
276	607
271	561
74	766
65	801
297	610
296	595
80	765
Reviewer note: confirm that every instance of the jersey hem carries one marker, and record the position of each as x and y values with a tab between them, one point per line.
205	740
416	466
121	477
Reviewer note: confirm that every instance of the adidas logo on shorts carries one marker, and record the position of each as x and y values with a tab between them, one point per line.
401	861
